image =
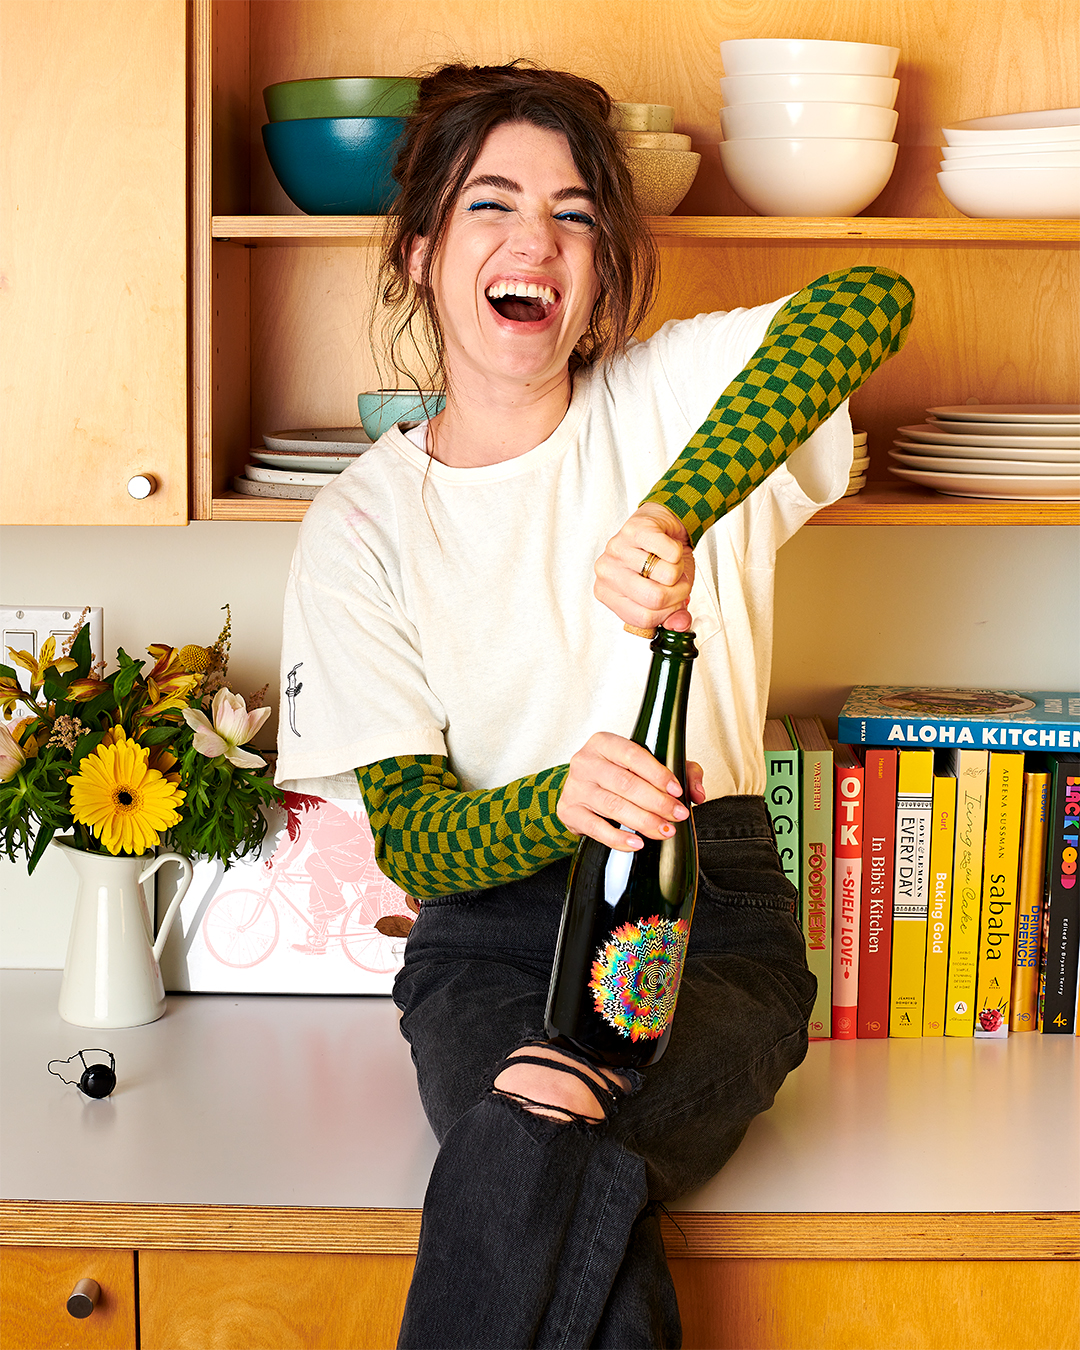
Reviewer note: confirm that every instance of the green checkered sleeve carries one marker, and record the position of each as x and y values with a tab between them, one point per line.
819	348
433	839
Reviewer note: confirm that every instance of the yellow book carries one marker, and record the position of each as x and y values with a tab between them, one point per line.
971	770
942	841
1001	877
1023	1015
911	890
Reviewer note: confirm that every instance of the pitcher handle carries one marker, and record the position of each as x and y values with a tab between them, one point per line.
174	907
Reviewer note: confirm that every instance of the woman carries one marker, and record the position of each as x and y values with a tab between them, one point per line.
455	661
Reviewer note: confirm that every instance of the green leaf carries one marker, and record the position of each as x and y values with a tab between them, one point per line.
44	839
80	651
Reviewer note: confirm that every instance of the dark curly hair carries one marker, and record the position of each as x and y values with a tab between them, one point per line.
457	107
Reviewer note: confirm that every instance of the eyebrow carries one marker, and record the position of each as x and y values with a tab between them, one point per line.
494	180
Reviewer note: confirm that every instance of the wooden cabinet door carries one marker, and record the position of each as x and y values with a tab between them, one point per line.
93	261
273	1300
35	1283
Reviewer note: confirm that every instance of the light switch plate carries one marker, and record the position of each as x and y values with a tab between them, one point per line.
27	627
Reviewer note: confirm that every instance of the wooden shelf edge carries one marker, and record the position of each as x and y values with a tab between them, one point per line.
930	229
877	504
1038	1236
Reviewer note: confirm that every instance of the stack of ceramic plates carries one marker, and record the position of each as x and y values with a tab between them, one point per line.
296	464
859	464
1012	451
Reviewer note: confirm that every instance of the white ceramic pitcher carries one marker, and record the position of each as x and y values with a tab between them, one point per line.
111	976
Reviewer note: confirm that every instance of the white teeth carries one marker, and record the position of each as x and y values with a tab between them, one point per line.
525	290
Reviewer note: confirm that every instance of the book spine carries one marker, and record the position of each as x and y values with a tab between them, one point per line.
815	828
847	895
1023	1015
911	890
971	771
875	920
1001	877
782	799
1050	737
942	841
1062	902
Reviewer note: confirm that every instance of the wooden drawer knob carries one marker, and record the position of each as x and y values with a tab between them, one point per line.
83	1299
142	485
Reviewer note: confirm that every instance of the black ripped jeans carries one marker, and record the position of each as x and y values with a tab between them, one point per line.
538	1233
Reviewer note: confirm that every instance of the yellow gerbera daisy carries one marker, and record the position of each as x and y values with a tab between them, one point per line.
123	800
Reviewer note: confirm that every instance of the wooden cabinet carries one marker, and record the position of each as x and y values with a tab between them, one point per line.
35	1284
94	258
282	300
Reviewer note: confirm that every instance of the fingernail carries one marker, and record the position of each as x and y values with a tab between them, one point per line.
667	829
680	811
674	789
635	841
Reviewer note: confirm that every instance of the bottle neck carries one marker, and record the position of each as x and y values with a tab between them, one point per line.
661	723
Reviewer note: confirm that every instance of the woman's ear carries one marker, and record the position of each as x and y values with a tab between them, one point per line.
414	260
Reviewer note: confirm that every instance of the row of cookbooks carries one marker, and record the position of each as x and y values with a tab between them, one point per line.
934	847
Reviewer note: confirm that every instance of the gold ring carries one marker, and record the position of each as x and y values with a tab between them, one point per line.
650	563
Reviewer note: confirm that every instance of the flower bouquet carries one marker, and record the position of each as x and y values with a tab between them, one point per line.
123	763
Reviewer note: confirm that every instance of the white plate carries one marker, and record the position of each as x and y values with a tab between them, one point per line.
289	491
1046	413
336	440
305	461
925	432
1004	428
1006	487
927	451
258	474
939	464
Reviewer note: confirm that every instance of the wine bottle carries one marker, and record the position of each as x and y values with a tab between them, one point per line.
626	917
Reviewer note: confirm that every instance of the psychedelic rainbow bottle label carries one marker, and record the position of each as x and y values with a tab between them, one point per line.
635	976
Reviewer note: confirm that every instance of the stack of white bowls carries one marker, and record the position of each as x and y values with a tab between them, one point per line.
1018	166
808	125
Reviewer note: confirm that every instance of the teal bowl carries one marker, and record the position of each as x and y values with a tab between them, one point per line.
381	409
341	96
336	166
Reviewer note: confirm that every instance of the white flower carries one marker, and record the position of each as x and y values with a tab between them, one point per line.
233	727
11	756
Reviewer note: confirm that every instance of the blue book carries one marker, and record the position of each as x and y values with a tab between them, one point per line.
977	719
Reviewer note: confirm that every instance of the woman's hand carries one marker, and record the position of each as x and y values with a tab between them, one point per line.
613	779
659	598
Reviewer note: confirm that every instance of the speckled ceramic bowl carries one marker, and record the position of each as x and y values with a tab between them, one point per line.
654	140
662	178
344	96
642	117
381	409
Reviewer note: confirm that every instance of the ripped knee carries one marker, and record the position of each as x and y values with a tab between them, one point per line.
560	1085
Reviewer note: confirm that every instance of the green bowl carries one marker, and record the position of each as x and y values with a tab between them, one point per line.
381	409
344	96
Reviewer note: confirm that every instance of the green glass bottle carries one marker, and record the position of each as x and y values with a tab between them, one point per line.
626	917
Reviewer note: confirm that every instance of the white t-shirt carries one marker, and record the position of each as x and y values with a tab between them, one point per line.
448	611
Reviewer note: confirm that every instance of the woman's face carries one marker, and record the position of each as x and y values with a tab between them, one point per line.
514	283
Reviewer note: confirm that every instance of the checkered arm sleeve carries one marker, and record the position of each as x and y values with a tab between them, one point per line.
819	348
433	839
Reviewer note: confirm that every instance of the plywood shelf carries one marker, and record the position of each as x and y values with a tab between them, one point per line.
876	504
344	230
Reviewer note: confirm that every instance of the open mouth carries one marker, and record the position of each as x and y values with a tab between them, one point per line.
520	301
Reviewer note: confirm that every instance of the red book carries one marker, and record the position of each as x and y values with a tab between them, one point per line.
875	917
848	779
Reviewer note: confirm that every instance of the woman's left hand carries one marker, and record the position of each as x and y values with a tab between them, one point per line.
659	598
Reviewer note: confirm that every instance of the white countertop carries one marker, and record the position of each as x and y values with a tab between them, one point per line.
277	1101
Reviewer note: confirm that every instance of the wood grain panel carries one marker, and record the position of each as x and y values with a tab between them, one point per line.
278	1301
34	1287
919	1305
93	231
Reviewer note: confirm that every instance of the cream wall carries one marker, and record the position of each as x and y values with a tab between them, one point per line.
937	606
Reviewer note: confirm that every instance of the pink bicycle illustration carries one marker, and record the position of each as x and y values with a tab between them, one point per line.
347	896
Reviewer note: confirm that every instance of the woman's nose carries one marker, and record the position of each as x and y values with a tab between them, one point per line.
534	238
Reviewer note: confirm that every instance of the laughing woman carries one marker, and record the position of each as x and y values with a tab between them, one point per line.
458	672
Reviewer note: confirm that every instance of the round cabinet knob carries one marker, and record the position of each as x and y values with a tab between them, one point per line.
84	1298
142	485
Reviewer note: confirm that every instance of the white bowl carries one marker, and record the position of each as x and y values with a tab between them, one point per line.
1068	159
826	177
973	153
1053	124
873	89
1013	194
853	121
766	56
